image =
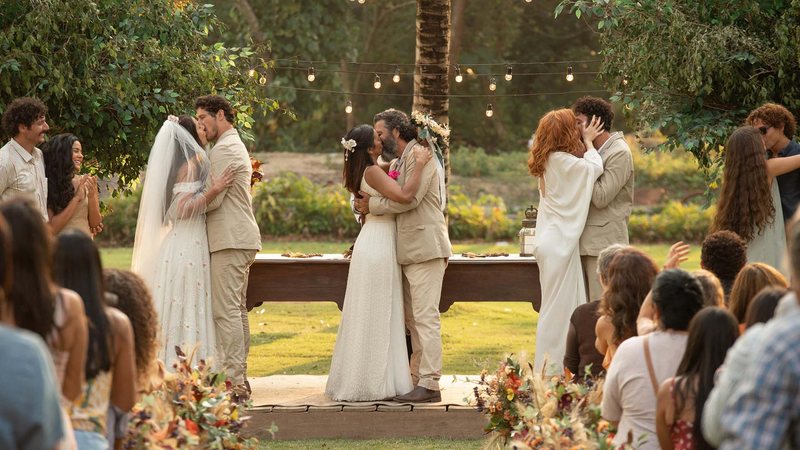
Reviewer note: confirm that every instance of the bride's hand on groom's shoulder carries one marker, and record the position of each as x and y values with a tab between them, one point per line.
421	155
224	180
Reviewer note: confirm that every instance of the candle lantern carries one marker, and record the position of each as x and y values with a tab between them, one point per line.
528	232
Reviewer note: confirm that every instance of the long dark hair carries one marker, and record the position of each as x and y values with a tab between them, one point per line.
357	161
31	293
77	266
712	332
745	200
630	277
762	308
59	170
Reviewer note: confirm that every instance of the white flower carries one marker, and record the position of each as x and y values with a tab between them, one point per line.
349	145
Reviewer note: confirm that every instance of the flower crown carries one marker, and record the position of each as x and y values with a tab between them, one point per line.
349	145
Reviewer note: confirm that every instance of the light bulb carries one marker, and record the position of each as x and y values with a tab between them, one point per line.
396	77
459	77
251	73
570	76
489	110
492	84
509	75
361	1
311	75
349	107
624	81
528	1
262	80
377	83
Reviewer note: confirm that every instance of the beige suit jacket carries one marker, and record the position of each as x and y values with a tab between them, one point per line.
421	228
229	218
612	199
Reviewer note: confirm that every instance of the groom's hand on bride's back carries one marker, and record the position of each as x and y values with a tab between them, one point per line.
362	203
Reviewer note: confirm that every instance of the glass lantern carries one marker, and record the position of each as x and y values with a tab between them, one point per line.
528	232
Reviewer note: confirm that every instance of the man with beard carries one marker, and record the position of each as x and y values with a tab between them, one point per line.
21	162
423	247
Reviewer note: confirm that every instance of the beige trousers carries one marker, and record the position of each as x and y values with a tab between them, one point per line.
229	271
590	278
422	289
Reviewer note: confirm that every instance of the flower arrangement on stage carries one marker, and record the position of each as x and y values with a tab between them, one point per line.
258	175
432	132
193	408
528	410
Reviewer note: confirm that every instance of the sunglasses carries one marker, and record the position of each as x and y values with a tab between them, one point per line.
763	130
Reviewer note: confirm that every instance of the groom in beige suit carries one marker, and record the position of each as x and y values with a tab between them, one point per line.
233	240
612	197
423	247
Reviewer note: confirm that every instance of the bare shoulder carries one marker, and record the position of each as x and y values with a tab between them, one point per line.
119	323
73	303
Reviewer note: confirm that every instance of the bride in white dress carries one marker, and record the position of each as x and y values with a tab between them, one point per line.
171	246
567	170
370	359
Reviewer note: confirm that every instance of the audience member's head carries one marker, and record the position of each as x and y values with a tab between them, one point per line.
133	299
762	308
677	296
773	118
76	266
588	106
630	277
6	271
724	253
712	288
712	332
604	260
31	295
24	120
59	168
751	279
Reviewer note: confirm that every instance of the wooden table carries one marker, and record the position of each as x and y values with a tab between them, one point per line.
274	278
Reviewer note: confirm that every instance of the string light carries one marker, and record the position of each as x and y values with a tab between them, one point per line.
489	110
262	80
624	81
361	1
377	83
570	76
348	108
396	76
493	84
509	75
311	75
528	1
459	77
251	73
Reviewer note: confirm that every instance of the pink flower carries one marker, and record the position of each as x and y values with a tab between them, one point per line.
393	174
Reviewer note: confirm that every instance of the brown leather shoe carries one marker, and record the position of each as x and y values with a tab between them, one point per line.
420	395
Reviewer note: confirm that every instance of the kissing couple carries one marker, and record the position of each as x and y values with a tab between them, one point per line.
396	270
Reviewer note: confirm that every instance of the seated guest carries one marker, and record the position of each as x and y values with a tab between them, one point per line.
681	398
763	410
630	276
713	294
642	363
110	366
581	351
751	279
133	298
762	308
30	416
724	254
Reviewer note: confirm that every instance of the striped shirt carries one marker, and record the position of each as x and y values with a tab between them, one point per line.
23	173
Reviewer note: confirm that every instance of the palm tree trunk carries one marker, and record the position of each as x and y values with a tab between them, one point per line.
431	75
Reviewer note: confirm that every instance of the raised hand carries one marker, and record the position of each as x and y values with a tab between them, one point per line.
421	155
678	253
591	130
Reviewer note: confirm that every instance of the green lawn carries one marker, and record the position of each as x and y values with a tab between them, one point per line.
298	338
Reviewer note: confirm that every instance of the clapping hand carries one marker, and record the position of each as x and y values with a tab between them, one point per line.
591	130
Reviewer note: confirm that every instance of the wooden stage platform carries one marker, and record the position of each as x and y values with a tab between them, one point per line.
274	278
296	404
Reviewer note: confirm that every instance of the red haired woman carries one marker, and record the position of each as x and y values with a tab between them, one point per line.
567	169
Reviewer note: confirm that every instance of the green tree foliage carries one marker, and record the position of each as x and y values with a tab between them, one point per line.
695	68
110	71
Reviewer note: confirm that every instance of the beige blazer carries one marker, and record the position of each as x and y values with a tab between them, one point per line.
421	228
612	199
229	218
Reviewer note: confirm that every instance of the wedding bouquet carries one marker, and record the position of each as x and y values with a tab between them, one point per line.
529	410
193	408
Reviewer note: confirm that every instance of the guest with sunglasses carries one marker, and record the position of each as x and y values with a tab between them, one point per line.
778	127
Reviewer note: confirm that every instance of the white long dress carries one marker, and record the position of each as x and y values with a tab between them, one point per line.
370	360
182	285
563	208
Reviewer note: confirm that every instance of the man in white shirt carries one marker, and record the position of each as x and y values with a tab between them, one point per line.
21	162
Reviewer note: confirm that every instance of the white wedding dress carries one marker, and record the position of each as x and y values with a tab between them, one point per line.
563	208
370	359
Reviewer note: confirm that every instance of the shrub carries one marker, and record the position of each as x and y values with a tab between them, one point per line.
675	222
119	219
485	218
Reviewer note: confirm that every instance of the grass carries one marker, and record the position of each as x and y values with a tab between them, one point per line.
344	444
298	338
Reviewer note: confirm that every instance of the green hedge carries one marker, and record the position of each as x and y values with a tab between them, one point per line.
289	205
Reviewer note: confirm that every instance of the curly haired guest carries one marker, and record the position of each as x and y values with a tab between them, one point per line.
21	163
778	127
724	253
751	279
749	203
612	195
630	277
72	199
713	294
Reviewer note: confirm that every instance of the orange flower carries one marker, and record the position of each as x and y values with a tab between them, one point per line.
192	426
